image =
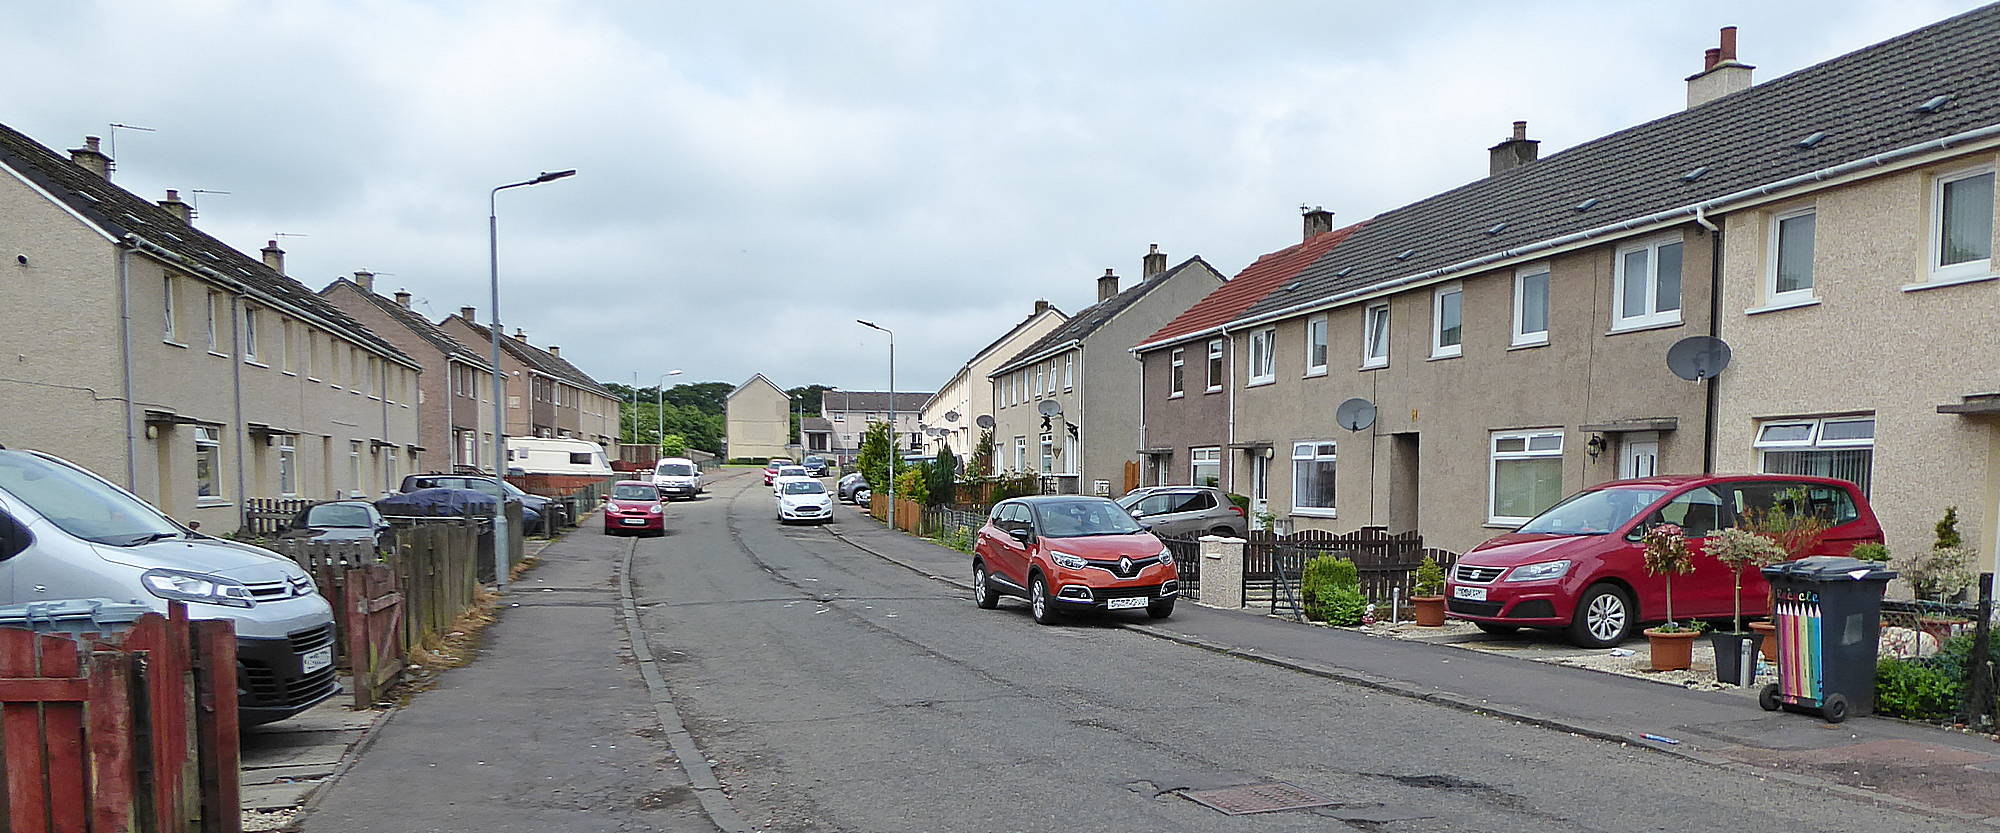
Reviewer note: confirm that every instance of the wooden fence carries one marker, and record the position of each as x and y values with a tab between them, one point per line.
1387	563
128	731
263	515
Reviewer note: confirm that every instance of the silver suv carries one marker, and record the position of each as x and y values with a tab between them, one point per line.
1185	510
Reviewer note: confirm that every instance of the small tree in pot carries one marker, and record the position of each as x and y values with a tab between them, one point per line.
1667	555
1427	593
1739	550
1797	531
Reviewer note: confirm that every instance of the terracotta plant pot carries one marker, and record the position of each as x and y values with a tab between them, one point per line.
1769	647
1941	629
1672	651
1430	610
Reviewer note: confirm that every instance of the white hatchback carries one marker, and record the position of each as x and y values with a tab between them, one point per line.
803	499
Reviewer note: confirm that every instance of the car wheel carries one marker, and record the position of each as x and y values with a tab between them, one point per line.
1604	617
1039	604
1497	629
1224	532
1160	609
983	594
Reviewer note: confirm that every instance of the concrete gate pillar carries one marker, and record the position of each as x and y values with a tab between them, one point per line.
1221	571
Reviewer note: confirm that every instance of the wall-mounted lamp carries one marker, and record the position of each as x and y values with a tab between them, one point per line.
1269	452
1595	446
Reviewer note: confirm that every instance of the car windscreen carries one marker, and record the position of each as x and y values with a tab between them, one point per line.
80	504
792	471
625	491
804	487
338	514
676	470
1597	512
1079	518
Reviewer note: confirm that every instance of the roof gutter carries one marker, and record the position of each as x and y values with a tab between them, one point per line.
1052	351
1698	211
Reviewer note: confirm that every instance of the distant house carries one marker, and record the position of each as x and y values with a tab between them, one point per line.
758	420
848	414
455	401
951	418
546	395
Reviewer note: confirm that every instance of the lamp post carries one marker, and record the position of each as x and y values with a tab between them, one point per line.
499	379
660	410
894	439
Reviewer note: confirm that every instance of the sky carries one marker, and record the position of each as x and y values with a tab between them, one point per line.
754	177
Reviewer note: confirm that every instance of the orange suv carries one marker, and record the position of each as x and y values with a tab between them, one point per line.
1071	553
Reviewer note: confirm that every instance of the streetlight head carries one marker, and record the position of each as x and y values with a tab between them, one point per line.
551	177
673	373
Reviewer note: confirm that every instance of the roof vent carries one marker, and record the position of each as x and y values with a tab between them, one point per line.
1294	286
1344	272
1407	254
1810	141
1586	205
1936	103
1695	174
1496	229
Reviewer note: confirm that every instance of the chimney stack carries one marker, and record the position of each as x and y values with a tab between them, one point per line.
403	298
366	280
92	159
1721	74
520	335
174	206
470	314
274	257
555	351
1514	152
1318	220
1041	305
1153	263
1107	285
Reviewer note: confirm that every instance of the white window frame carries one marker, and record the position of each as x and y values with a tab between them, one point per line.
1315	452
171	329
1263	354
1037	383
1316	333
214	335
1773	241
1971	269
288	466
1020	453
1048	448
1521	336
208	445
1176	373
1215	365
354	467
1374	313
1621	320
1494	456
250	335
1206	455
1069	371
1439	349
1815	439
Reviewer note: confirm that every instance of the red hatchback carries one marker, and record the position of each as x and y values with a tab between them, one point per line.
1578	565
1070	553
634	506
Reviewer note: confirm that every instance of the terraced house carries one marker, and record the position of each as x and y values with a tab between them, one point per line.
950	419
158	356
455	392
546	395
1512	333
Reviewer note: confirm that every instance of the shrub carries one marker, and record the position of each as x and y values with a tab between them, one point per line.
958	538
1016	484
941	477
1789	522
1939	574
1338	605
1330	589
1430	578
673	445
979	466
1947	531
1919	689
1871	551
876	449
911	484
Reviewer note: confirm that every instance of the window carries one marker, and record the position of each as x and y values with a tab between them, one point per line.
1316	345
1205	466
1375	337
288	358
1648	285
207	464
839	416
1699	513
313	369
1790	276
1841	447
389	478
1214	365
214	335
250	334
354	465
1262	367
1531	306
167	307
1962	225
1020	453
1041	383
288	466
1447	321
1178	373
1525	476
374	376
1313	469
1069	371
1048	451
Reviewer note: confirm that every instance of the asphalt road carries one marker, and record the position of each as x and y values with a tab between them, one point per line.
836	691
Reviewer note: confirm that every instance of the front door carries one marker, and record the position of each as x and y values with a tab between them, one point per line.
1640	456
1260	487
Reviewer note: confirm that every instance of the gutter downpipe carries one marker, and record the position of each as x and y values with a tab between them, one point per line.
1228	401
1991	131
125	247
1713	400
236	389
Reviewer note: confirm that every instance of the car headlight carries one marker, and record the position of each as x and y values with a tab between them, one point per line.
655	510
1539	572
1067	561
178	586
1166	556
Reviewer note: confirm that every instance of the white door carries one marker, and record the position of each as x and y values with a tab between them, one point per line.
1640	457
1260	486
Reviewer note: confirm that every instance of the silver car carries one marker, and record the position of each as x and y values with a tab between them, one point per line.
1185	510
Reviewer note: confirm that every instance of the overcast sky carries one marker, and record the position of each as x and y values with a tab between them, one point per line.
932	167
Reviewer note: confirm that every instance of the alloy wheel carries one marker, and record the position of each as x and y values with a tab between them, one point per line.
1605	618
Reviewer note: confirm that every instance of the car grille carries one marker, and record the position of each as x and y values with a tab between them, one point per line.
264	687
1472	608
1139	565
1533	609
1146	591
1473	574
273	590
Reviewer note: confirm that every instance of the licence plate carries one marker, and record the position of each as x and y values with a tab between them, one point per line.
1474	593
1125	604
317	659
634	521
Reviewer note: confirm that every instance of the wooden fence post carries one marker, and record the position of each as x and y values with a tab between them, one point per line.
218	730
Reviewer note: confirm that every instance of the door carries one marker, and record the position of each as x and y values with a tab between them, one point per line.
1709	591
1260	487
1640	456
1011	556
1181	513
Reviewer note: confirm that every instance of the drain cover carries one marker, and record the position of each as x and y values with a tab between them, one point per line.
1258	798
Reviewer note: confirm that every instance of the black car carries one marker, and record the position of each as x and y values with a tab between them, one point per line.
815	466
535	507
342	520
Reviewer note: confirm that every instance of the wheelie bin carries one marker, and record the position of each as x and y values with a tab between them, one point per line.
1828	615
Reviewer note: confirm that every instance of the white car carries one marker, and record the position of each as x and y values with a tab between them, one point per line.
788	473
677	477
803	499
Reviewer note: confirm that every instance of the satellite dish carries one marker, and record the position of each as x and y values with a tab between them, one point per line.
1355	414
984	421
1049	408
1698	357
950	416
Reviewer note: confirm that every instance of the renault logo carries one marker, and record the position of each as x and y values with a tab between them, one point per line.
1125	565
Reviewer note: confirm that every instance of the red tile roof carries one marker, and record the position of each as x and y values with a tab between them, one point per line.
1249	286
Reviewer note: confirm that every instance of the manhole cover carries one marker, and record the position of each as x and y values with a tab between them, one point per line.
1258	798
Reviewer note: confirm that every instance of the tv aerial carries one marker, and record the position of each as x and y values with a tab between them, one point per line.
1355	414
1698	358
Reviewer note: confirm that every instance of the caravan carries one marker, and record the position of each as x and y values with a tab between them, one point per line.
540	455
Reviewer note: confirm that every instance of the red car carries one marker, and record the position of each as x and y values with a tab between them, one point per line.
1071	553
771	469
1578	565
634	506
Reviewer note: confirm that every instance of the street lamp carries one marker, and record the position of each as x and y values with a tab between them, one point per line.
499	381
660	409
894	450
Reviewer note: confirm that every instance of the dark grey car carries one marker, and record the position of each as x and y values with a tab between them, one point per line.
1186	510
342	520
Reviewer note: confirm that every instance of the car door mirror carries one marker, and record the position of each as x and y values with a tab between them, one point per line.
14	538
1020	533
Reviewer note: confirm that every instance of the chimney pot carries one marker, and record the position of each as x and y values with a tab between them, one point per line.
555	351
1107	285
470	314
1721	73
1710	58
1513	152
520	335
1318	221
1728	43
1153	263
173	205
1520	130
366	280
274	257
403	298
90	142
91	158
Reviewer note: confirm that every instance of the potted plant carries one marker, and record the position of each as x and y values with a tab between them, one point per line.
1427	593
1941	575
1739	549
1797	532
1667	555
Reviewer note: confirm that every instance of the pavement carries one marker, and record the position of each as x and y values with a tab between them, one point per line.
1908	764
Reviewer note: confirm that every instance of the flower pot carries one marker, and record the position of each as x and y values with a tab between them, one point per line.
1941	629
1768	645
1430	610
1672	651
1736	656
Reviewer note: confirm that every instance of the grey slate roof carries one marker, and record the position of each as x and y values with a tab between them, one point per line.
816	424
907	402
418	324
542	360
1092	317
1863	101
120	212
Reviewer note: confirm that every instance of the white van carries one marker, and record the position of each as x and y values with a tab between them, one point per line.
549	455
66	533
677	477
